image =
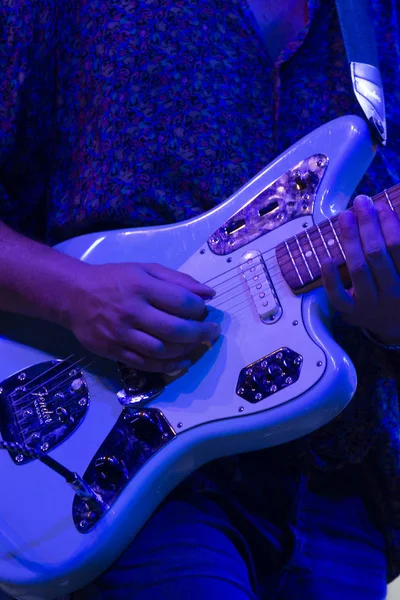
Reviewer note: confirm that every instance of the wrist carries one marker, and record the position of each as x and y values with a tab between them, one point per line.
67	293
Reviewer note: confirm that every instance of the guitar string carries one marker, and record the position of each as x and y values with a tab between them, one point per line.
41	375
25	399
315	245
29	404
318	244
380	196
66	404
29	392
43	384
276	281
25	425
28	395
392	200
277	266
245	290
271	271
230	289
60	384
57	385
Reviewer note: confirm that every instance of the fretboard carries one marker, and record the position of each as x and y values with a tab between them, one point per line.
300	257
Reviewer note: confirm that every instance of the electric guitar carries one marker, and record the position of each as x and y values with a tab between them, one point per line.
275	374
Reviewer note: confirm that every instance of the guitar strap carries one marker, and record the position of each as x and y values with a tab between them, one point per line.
355	18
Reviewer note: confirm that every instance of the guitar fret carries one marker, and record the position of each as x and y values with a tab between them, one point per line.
304	257
294	263
308	249
310	253
389	200
323	241
313	249
337	239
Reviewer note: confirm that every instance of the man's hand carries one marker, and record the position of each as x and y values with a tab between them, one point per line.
371	242
145	315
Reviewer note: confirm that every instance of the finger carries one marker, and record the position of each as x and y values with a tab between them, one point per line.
374	244
137	361
175	299
175	330
390	226
180	279
147	345
361	277
338	296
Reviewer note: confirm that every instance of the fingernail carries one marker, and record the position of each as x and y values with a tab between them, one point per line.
363	202
209	291
176	368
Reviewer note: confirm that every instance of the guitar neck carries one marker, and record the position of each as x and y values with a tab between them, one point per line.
300	257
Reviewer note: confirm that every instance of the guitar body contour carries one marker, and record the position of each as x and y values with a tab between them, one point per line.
274	375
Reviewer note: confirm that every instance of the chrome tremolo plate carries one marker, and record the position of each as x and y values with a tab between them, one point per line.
42	405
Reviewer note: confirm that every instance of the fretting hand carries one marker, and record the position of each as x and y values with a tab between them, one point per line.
370	238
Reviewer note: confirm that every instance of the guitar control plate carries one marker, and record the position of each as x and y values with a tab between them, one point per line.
291	196
269	374
135	437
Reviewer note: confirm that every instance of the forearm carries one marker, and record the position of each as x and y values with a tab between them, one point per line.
36	280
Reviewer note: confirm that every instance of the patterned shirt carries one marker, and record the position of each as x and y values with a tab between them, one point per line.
122	113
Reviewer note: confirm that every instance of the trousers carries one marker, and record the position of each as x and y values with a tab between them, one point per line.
273	539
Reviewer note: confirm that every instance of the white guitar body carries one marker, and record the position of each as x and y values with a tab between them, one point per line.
42	553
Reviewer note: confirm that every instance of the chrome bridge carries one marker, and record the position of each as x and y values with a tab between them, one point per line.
42	405
260	287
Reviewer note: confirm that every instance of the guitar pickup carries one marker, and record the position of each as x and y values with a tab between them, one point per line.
260	286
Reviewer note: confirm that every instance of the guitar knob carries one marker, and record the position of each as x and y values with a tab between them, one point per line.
274	371
111	472
145	428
